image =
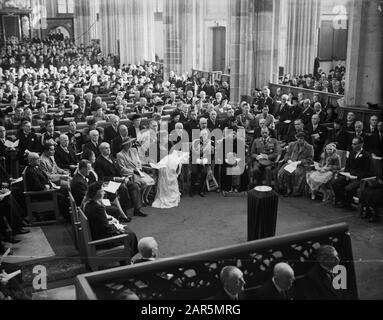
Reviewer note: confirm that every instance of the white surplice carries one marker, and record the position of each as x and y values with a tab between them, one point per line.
168	195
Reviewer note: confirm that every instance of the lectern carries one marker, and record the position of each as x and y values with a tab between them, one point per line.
262	209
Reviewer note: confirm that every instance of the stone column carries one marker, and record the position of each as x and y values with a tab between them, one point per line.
172	37
182	25
364	69
251	27
129	23
82	22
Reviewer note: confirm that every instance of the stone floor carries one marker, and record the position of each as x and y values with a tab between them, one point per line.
215	221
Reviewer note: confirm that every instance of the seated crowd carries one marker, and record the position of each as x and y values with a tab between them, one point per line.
80	123
333	82
317	283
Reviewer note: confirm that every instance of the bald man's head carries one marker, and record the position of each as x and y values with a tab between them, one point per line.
105	149
148	247
33	159
283	276
232	280
123	130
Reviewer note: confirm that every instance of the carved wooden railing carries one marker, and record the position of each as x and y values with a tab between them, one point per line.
196	276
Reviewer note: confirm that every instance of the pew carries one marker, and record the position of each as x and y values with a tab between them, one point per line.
196	276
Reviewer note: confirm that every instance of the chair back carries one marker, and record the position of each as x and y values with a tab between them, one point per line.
74	211
87	237
24	180
74	218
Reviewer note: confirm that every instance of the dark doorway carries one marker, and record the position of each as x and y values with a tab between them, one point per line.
11	26
219	49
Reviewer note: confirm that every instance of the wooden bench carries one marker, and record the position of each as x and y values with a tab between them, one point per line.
95	257
196	276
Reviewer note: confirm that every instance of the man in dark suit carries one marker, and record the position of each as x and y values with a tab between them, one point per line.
358	133
318	134
318	282
338	135
80	182
358	166
350	122
117	141
135	128
75	137
65	156
94	143
192	124
373	127
37	180
283	115
376	144
279	286
296	109
295	128
371	134
307	112
212	122
27	141
81	112
111	131
232	284
107	169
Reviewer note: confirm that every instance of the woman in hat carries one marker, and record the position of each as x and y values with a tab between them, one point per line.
328	165
130	165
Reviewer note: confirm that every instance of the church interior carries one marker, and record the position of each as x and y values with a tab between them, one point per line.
191	149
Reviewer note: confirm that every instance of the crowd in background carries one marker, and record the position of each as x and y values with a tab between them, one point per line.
292	142
333	82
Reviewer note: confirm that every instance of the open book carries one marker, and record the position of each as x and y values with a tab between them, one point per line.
10	144
290	168
106	202
112	187
348	175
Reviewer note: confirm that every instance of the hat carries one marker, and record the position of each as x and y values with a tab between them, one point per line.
128	140
300	135
136	116
231	159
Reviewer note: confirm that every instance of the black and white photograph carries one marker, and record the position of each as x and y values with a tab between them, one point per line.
191	154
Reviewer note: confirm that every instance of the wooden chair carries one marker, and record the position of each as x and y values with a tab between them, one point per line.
101	257
75	221
35	203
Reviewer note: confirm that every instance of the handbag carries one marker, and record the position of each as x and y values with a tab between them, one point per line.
211	182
